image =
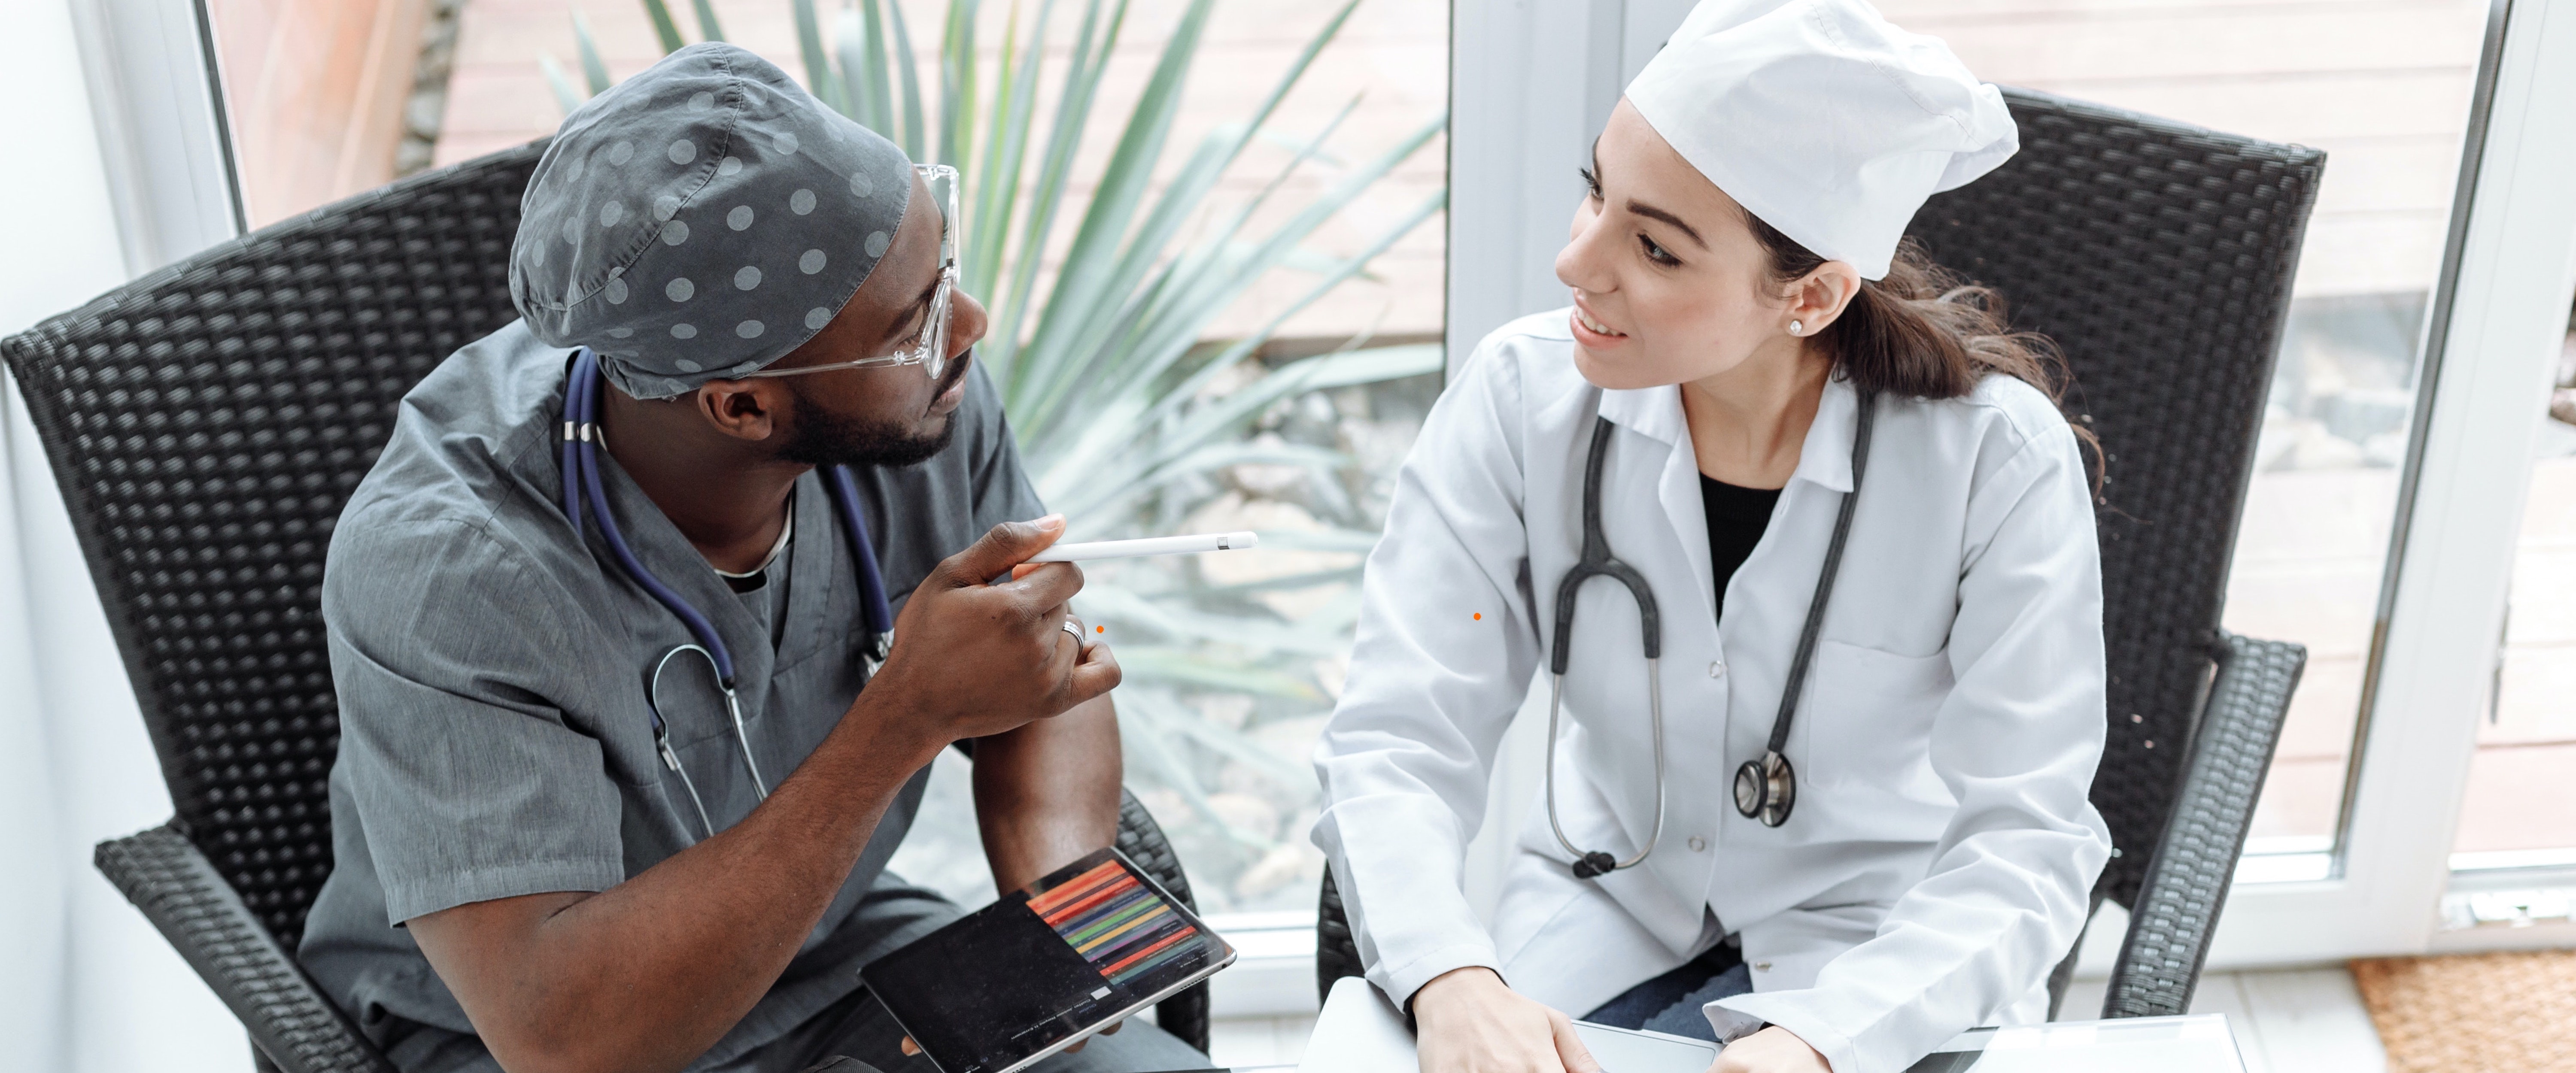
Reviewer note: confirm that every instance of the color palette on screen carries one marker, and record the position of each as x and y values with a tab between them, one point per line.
1114	921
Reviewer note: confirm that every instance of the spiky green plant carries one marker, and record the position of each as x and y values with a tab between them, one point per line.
1123	408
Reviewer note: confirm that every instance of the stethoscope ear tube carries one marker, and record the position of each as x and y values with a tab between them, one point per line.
583	395
875	612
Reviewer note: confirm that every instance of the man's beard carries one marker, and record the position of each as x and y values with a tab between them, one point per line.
820	438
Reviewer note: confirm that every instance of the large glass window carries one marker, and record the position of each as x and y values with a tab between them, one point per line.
2384	88
325	98
2516	811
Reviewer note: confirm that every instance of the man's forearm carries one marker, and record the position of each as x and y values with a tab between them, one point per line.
1047	793
648	974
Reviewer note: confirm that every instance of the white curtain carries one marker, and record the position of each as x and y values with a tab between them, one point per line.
86	985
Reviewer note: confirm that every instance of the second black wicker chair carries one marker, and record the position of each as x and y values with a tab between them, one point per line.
2159	256
206	423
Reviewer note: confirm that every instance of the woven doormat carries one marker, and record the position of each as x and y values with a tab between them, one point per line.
2494	1013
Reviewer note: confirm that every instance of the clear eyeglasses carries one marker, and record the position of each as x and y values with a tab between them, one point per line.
931	349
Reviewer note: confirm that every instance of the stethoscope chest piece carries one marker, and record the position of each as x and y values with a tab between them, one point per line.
1766	789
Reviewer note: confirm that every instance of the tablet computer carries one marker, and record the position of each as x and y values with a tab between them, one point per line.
1045	967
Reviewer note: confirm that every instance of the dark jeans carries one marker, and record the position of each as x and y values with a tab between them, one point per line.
1671	1003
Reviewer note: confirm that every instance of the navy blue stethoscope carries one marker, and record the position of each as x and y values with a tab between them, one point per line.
1765	789
582	485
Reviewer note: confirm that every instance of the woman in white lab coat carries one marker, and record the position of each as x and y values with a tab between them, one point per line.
1739	291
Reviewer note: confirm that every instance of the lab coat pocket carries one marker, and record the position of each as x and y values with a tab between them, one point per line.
1869	719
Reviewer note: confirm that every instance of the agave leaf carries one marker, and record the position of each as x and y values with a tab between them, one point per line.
1311	374
1107	602
1243	405
1073	355
908	66
1316	374
957	85
565	96
593	69
1176	329
1145	739
1015	106
1156	663
1182	198
1094	333
1088	61
1221	243
1179	202
818	65
1083	282
1173	621
1085	500
1354	540
1145	356
1242	348
1228	742
664	28
1307	259
708	28
1100	445
859	58
1335	617
880	89
982	187
1284	141
1308	580
1212	290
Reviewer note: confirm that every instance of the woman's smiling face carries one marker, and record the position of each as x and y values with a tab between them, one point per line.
1669	283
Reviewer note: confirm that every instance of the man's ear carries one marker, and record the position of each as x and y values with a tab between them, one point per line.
747	410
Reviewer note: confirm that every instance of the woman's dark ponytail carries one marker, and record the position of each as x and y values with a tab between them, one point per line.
1921	332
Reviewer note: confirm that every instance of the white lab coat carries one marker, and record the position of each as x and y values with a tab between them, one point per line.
1938	860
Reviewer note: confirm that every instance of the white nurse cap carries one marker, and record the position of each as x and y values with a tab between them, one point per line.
1822	119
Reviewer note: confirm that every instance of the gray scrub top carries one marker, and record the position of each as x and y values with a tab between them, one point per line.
491	670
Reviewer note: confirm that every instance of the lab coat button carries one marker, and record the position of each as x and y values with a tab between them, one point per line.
1761	966
1698	844
1717	668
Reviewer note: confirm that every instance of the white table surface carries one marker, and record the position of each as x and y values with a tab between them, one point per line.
1359	1031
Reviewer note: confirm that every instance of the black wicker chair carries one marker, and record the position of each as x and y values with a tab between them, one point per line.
206	423
2159	256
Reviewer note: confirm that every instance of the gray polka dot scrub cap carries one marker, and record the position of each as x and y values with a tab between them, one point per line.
701	220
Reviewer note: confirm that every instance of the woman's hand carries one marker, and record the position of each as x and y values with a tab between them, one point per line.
1472	1022
1772	1050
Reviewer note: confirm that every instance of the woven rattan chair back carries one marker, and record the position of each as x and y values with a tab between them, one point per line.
206	423
2159	257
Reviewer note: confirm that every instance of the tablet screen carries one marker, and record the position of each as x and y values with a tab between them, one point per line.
1044	966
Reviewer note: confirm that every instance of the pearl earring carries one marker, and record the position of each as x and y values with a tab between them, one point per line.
1796	327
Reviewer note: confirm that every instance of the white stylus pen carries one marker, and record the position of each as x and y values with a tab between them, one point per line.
1129	549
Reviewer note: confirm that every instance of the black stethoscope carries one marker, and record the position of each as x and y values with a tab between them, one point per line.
1765	789
581	484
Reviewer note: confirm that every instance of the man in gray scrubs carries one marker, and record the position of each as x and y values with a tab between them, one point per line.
525	877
